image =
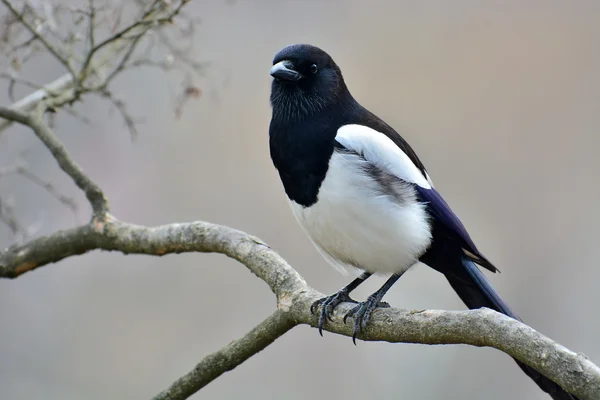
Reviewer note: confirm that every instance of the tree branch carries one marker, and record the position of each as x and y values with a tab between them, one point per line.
7	217
30	102
54	51
482	328
100	63
574	372
36	122
151	17
49	187
229	357
115	235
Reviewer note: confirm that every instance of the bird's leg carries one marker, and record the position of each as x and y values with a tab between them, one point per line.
362	311
330	302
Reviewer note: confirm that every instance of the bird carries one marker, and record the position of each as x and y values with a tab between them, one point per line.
363	196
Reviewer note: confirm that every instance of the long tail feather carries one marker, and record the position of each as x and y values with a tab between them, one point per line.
475	291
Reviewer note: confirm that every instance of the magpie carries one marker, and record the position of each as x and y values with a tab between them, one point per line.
363	196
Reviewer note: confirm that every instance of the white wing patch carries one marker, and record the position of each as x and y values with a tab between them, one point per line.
382	152
429	179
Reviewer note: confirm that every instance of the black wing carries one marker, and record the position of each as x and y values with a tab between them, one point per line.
437	206
443	215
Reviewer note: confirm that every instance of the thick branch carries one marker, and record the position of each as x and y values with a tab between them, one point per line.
229	357
115	235
574	372
92	191
482	327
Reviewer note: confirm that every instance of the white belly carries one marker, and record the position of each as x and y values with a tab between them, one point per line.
354	224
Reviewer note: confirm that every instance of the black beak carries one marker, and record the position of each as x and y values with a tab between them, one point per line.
284	71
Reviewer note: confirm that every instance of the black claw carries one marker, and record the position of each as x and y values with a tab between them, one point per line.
320	324
327	305
328	314
362	313
351	313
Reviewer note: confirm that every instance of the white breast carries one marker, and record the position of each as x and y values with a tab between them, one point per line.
354	224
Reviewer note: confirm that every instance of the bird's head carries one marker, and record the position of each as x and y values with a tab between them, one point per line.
306	80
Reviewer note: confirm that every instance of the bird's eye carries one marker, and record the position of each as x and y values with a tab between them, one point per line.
314	68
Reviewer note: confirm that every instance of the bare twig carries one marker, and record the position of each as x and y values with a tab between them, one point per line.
49	187
125	59
65	200
149	18
96	70
78	115
52	49
181	54
122	108
13	79
44	133
229	357
13	169
30	102
7	216
25	44
92	24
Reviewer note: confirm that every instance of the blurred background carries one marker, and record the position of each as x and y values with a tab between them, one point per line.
501	99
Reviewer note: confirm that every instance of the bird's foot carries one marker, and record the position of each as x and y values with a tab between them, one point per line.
362	313
327	305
